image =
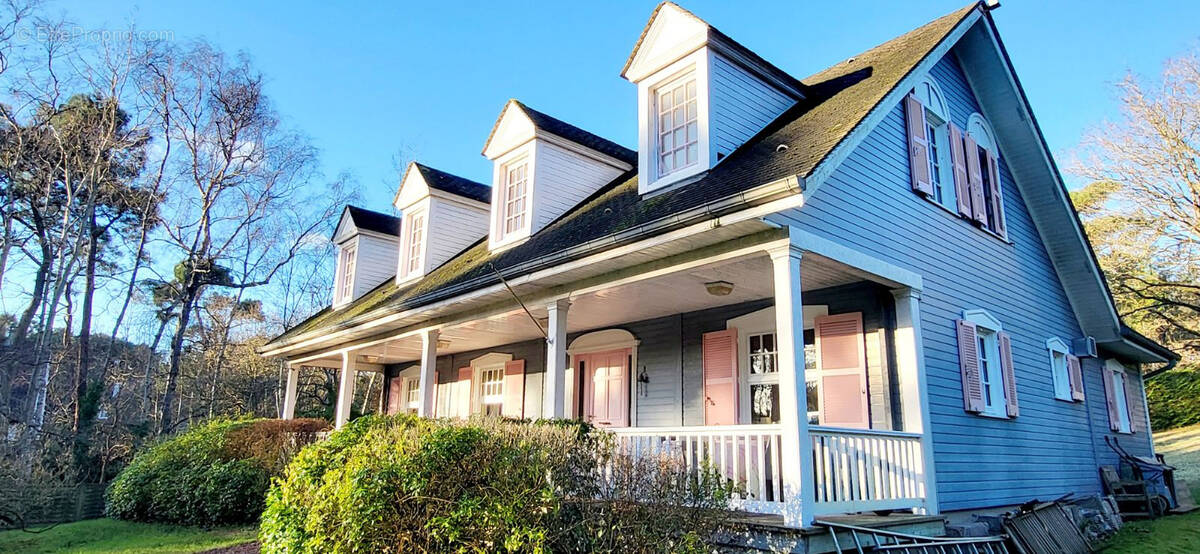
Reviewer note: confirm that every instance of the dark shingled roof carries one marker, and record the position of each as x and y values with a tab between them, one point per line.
454	184
558	127
839	98
370	220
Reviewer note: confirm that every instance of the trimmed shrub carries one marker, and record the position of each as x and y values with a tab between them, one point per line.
403	484
214	474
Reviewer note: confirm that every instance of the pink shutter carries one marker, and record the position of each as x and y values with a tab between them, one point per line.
1114	419
720	377
962	183
395	393
1007	374
465	389
514	389
975	180
997	224
968	363
1075	377
842	363
918	145
1130	392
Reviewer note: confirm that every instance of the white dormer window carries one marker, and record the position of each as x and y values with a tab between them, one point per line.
414	242
348	255
677	128
516	193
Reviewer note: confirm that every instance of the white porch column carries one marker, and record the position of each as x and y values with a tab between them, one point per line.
345	396
428	380
289	392
914	389
798	485
555	383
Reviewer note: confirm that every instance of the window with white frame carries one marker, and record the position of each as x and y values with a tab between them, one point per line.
491	390
1119	377
937	134
763	378
348	260
412	394
989	154
415	241
1058	368
991	376
677	135
514	205
812	377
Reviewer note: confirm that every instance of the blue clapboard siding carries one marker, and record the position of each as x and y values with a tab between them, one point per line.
741	105
868	204
1139	442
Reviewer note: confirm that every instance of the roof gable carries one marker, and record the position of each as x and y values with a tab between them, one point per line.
421	180
355	220
519	124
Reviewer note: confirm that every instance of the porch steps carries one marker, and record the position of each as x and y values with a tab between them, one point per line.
767	533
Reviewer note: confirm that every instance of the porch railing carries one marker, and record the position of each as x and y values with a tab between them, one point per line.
746	455
860	469
853	470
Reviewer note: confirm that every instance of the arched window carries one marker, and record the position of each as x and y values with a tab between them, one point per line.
988	152
937	133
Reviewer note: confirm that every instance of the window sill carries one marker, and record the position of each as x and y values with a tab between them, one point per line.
1068	400
994	416
954	213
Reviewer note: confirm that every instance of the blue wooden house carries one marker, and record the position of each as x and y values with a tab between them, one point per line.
866	289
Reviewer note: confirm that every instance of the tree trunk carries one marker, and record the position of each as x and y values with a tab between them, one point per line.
85	326
189	299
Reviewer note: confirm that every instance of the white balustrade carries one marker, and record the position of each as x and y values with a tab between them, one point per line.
860	470
854	470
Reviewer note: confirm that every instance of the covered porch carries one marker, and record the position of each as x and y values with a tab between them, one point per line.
788	363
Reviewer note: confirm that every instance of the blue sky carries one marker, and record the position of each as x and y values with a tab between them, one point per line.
369	79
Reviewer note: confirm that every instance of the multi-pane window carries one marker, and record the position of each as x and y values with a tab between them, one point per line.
989	190
678	131
412	394
812	378
348	255
516	188
935	169
990	375
763	378
491	390
416	239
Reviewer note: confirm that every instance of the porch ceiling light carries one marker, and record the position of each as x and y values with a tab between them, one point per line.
719	288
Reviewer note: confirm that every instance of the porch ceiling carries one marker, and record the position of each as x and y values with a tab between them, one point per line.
673	293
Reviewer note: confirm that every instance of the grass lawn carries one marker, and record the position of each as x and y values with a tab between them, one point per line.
107	535
1171	534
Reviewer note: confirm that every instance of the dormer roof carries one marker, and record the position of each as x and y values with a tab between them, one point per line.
543	123
363	219
440	180
691	33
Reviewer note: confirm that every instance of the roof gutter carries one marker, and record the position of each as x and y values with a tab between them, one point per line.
714	210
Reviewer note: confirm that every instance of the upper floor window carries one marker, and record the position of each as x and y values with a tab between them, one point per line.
348	260
514	201
936	129
678	139
990	192
415	242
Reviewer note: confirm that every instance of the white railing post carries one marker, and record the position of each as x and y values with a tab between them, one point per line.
554	387
914	388
428	376
798	485
345	395
289	392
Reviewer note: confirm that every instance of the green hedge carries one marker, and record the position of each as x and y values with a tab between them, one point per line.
1174	398
214	474
402	484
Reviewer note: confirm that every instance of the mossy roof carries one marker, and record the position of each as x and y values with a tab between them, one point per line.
837	100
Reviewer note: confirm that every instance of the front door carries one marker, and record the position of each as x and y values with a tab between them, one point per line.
605	387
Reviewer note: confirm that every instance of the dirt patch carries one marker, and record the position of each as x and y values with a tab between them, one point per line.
247	548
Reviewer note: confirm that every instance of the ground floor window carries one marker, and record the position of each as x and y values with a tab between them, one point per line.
491	390
1118	387
412	394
